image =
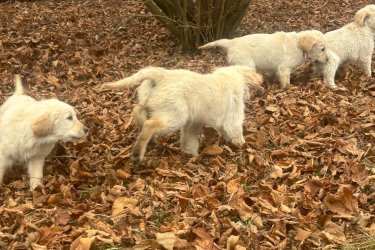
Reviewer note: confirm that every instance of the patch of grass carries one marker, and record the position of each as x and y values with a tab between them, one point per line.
367	243
86	194
159	217
114	247
247	187
154	163
367	163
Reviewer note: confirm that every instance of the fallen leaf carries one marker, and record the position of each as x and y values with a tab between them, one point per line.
82	243
167	240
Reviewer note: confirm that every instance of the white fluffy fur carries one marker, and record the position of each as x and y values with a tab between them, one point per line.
278	53
29	130
352	43
171	100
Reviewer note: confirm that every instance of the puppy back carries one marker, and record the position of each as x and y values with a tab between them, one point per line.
18	84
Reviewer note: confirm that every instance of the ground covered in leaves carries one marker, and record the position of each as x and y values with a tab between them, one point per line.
305	178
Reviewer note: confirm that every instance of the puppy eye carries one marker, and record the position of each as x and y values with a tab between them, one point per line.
323	49
70	118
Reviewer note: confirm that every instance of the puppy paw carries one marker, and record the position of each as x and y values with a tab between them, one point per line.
136	156
35	182
332	86
238	142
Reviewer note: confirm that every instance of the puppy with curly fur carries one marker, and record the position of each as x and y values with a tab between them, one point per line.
29	130
171	100
277	54
352	43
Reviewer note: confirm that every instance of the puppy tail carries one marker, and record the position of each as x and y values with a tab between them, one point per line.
223	43
154	74
255	85
254	80
18	83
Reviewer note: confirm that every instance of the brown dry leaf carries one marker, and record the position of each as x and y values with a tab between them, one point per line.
301	234
167	240
55	198
334	232
119	205
35	246
39	197
344	203
53	80
124	175
348	199
204	240
239	247
62	216
146	244
276	172
349	146
313	187
359	174
46	234
212	150
334	203
246	213
232	242
233	186
82	243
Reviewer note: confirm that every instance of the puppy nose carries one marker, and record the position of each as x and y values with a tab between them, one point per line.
86	130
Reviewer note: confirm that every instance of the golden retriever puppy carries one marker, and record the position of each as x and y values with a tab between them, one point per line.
171	100
352	43
277	54
29	130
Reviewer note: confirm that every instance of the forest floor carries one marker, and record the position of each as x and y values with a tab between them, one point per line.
304	180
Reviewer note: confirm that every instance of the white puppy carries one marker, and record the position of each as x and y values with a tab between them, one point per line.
352	43
278	53
171	100
29	130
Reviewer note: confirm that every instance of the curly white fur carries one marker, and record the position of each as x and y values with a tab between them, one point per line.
171	100
278	53
352	43
29	130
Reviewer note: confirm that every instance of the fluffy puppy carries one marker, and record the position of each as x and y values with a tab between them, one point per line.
277	54
29	130
352	43
171	100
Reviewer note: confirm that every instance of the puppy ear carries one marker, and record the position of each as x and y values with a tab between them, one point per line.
306	43
360	17
43	125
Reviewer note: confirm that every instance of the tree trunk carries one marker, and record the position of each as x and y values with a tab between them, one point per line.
195	22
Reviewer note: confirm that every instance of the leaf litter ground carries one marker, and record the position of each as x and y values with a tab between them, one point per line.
305	178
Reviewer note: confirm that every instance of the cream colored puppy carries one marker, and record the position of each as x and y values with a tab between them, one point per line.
278	53
29	130
352	43
171	100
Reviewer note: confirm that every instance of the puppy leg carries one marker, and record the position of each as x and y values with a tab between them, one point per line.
284	77
329	72
190	138
365	64
140	115
35	169
4	164
150	129
233	131
317	68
